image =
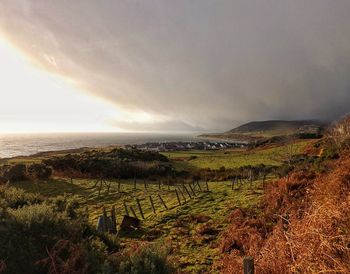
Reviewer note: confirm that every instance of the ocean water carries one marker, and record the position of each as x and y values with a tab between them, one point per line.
27	144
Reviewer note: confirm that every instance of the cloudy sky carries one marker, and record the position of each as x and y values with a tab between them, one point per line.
200	65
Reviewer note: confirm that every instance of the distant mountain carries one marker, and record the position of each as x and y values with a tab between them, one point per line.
277	127
260	131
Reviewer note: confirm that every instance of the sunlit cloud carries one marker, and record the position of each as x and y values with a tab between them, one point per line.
32	100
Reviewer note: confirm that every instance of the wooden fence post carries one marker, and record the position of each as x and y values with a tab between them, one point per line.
152	204
114	220
134	182
183	195
145	184
193	185
160	198
188	193
251	179
248	265
234	180
105	227
207	185
99	189
199	186
194	193
133	212
108	187
119	185
263	180
140	208
96	183
177	196
126	209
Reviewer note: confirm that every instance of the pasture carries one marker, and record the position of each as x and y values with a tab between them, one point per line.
187	219
191	229
234	158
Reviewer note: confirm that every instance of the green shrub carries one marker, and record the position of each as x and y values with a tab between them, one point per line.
330	151
14	197
65	204
144	259
55	228
118	163
15	172
39	171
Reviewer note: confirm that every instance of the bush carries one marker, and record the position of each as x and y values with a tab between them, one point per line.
28	233
38	236
65	204
340	133
12	197
39	171
115	164
15	172
3	180
144	259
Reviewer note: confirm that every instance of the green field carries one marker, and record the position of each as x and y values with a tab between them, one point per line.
233	158
183	228
190	230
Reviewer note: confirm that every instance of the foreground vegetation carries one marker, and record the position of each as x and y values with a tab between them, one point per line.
302	225
184	235
58	200
190	231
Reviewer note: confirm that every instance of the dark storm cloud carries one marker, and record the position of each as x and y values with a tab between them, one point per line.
202	64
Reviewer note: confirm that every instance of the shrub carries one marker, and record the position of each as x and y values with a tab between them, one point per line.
38	236
3	180
65	204
119	163
39	171
66	257
301	226
207	229
14	197
330	151
15	172
144	259
27	233
340	133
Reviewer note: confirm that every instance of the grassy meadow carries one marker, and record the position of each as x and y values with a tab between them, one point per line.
191	230
234	158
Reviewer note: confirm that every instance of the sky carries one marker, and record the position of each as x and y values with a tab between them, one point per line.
171	66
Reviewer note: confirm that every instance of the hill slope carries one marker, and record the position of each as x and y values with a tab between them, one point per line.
276	126
265	130
302	227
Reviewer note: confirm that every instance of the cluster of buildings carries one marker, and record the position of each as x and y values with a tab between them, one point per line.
181	146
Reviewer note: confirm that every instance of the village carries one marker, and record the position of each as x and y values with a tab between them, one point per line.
182	146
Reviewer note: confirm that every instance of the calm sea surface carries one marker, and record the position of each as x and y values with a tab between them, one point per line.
27	144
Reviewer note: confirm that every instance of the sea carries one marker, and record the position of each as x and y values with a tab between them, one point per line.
12	145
